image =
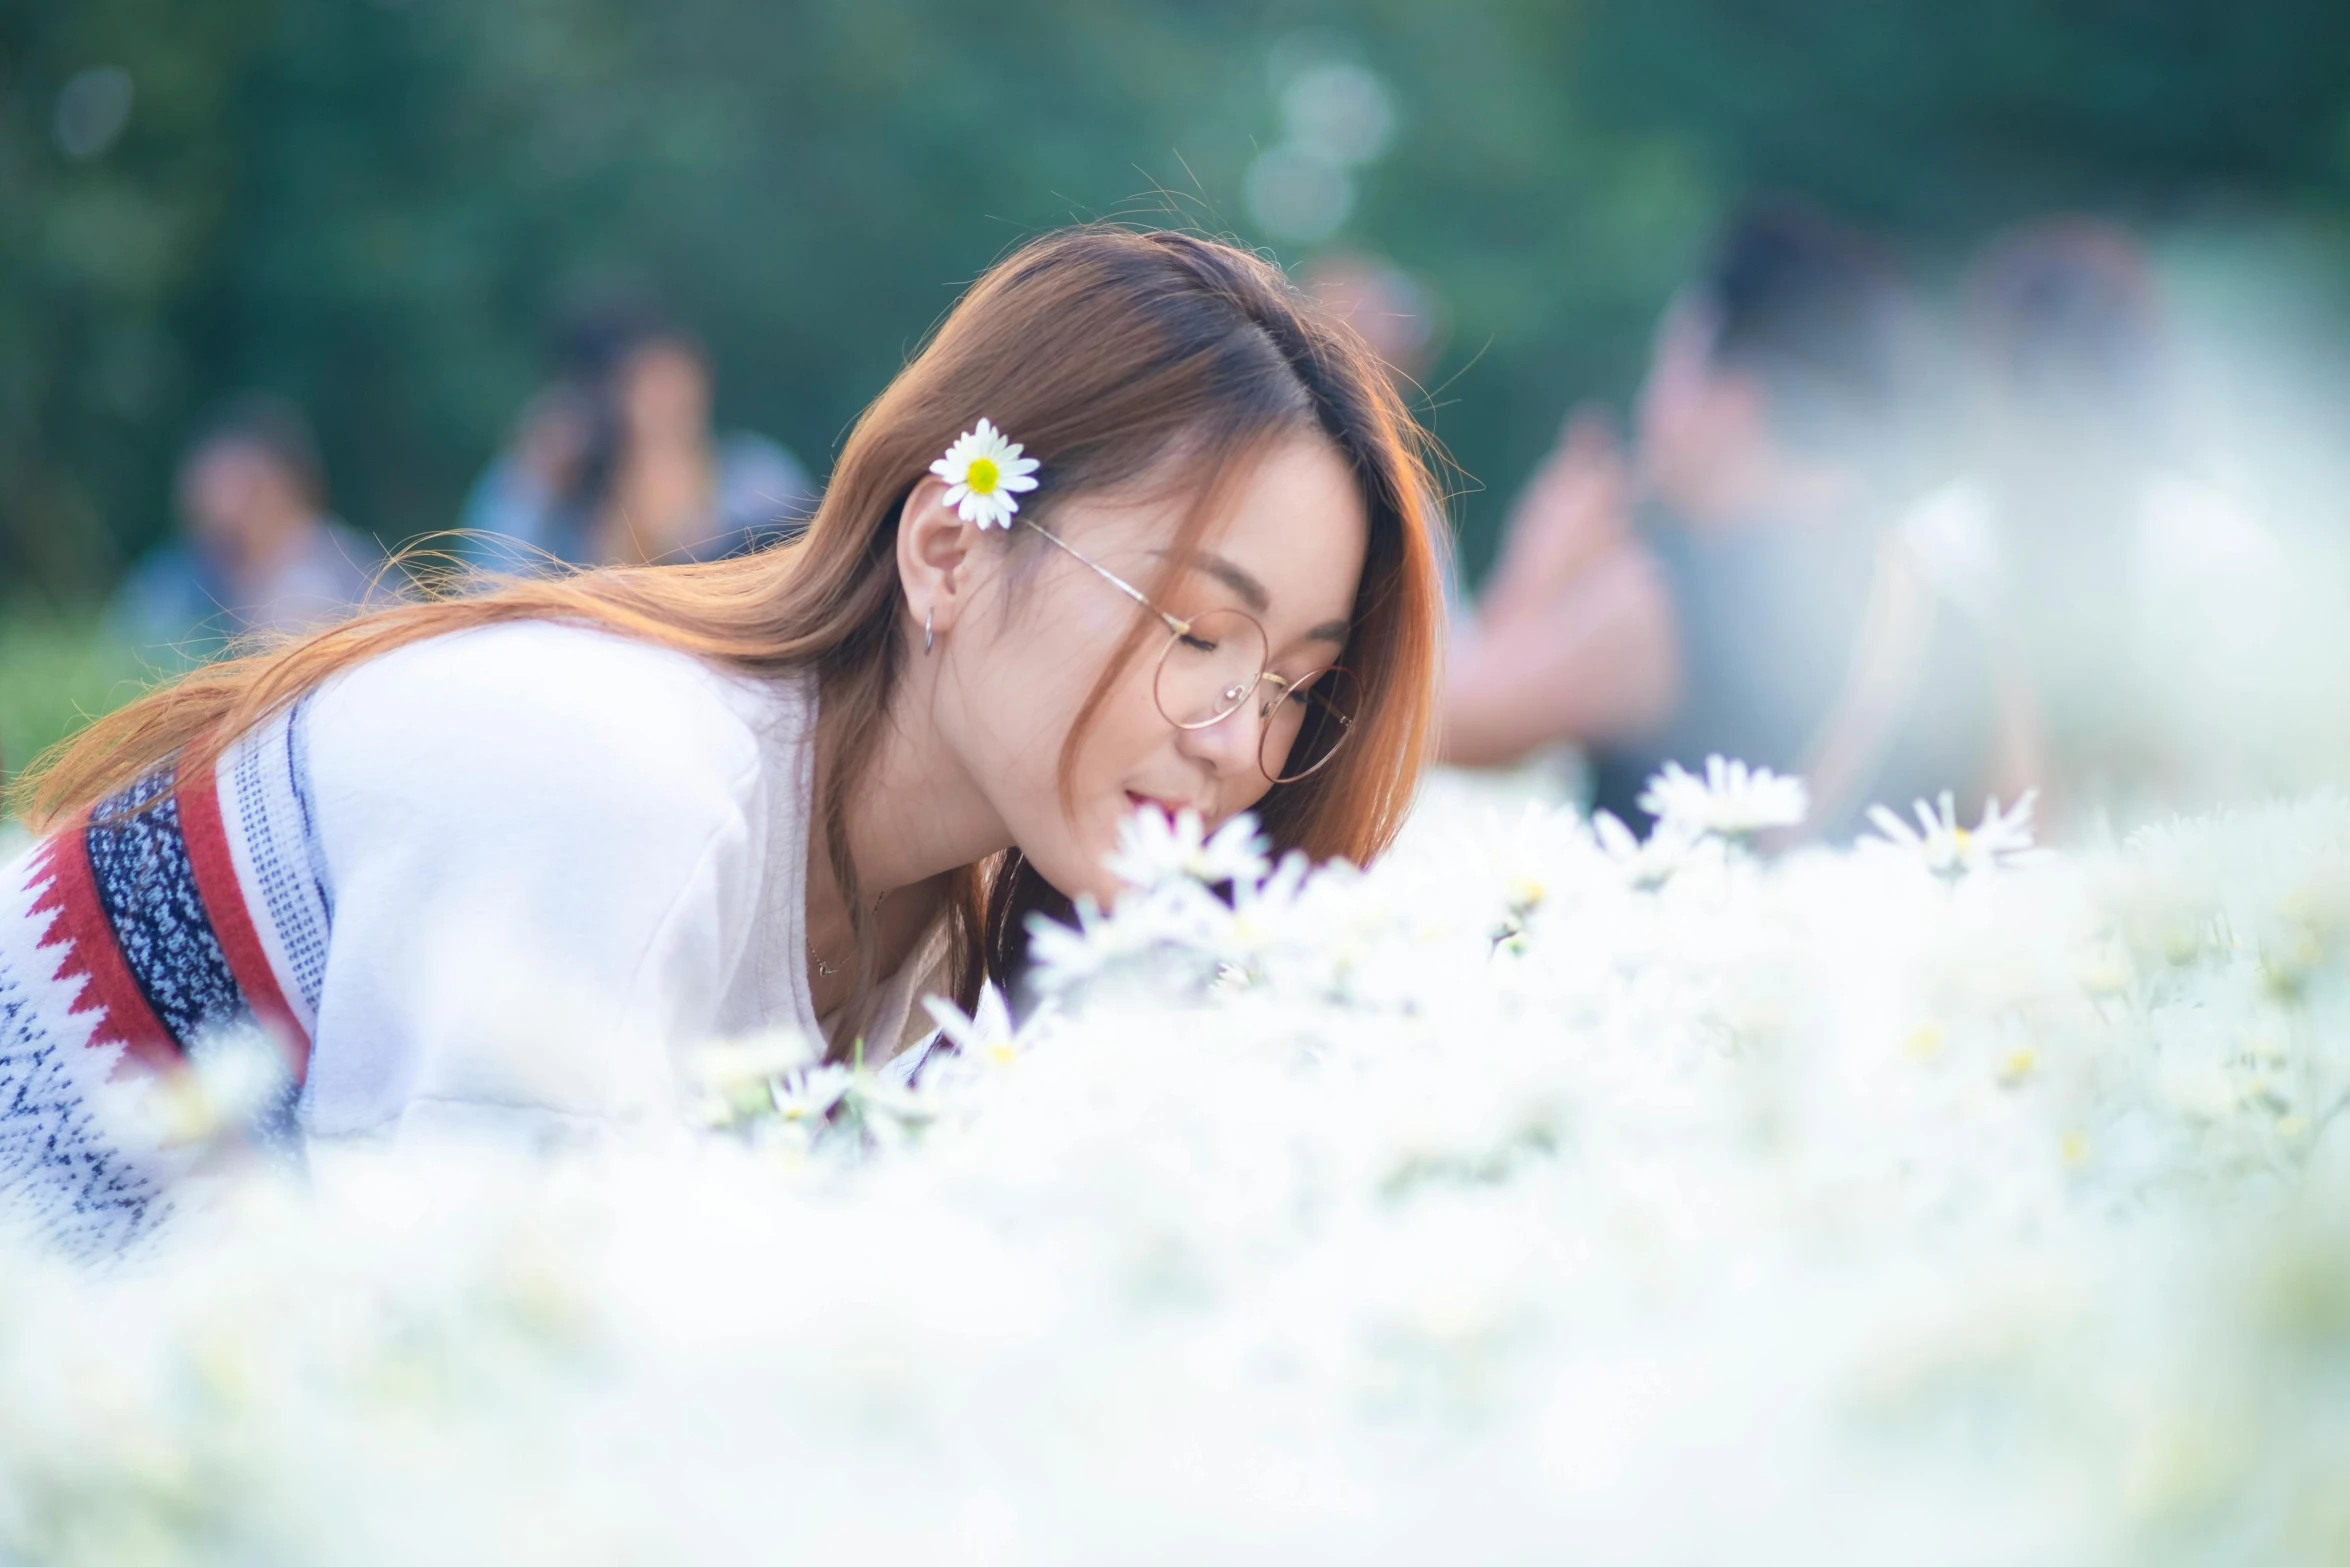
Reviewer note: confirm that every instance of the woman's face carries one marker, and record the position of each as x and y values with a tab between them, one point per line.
1289	551
665	394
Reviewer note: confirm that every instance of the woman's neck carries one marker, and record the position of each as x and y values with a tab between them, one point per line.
916	813
913	817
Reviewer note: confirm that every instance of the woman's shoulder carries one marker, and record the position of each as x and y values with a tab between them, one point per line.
557	711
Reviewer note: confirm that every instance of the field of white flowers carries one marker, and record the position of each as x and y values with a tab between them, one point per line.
1539	1195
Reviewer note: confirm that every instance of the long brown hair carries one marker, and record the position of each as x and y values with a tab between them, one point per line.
1105	351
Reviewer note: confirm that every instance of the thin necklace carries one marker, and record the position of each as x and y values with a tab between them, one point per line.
826	970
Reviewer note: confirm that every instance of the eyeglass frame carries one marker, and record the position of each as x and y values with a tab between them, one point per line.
1179	627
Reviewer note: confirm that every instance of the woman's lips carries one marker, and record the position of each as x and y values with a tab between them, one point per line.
1166	808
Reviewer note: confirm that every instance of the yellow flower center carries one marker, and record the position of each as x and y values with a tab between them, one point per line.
981	476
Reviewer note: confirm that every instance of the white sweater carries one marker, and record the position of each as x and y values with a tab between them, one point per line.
555	857
501	881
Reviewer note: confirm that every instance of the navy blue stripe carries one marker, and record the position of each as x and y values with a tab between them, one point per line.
298	778
146	885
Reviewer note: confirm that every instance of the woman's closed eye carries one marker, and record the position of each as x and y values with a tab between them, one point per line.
1292	696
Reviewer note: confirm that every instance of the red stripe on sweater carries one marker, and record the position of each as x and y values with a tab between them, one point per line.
206	834
91	953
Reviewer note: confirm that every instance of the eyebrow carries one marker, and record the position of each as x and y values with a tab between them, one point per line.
1253	594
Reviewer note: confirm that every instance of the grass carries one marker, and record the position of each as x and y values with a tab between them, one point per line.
57	672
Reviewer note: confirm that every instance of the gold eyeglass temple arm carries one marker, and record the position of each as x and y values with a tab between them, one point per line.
1175	624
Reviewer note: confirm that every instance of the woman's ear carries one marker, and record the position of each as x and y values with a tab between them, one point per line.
938	556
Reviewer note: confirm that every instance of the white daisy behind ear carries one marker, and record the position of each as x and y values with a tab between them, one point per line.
985	473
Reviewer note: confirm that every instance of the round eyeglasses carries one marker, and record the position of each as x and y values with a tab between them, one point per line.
1213	665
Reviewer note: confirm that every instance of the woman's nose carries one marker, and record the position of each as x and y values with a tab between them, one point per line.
1230	743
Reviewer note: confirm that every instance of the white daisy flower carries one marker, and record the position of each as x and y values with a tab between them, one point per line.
736	1064
736	1080
985	475
808	1095
1154	849
235	1077
1731	801
2001	838
1646	866
885	1111
986	1035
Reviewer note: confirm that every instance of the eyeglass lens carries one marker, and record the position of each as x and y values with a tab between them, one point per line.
1218	663
1312	719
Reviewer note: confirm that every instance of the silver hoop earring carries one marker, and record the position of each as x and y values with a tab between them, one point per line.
926	632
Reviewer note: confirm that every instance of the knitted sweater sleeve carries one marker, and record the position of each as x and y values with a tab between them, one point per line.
540	846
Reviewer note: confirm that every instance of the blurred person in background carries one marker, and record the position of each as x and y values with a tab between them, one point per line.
2137	609
258	554
615	462
1735	585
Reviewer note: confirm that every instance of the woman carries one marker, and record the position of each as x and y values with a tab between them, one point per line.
491	863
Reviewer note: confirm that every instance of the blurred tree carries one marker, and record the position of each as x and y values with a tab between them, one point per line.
375	205
118	160
1940	120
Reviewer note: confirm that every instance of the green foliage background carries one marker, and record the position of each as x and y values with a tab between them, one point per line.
373	205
